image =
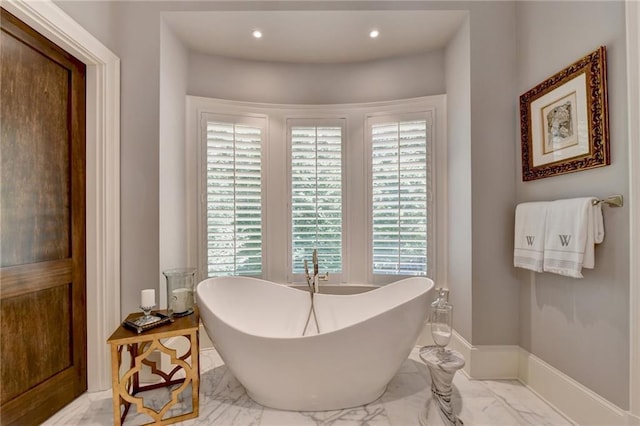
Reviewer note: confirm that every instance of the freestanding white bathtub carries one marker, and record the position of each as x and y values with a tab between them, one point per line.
257	327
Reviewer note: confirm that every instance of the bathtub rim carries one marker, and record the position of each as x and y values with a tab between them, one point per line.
430	287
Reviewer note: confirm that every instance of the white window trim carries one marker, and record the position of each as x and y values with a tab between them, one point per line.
334	278
276	225
428	114
257	120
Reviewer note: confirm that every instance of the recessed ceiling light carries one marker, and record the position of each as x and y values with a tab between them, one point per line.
257	33
374	33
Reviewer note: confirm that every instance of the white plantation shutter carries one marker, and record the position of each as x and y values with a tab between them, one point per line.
233	198
401	189
316	195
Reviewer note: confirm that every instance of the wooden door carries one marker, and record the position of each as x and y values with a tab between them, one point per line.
42	226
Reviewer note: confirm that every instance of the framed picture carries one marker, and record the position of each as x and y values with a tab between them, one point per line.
564	120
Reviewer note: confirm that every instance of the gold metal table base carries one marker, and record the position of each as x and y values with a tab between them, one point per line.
126	386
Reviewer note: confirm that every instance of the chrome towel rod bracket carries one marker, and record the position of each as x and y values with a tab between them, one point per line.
612	201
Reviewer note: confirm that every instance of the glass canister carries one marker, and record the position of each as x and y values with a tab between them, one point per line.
441	319
180	291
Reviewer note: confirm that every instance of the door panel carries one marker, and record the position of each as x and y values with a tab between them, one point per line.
36	157
42	226
44	357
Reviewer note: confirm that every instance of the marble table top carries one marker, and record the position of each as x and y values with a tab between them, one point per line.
445	359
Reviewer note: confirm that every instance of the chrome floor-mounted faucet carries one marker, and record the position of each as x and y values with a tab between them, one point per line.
314	288
312	282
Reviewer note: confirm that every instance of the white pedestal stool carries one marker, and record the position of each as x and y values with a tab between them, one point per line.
442	365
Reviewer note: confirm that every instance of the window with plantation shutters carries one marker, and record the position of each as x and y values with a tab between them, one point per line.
316	194
364	184
400	195
233	207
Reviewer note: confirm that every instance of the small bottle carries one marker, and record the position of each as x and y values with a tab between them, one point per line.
441	319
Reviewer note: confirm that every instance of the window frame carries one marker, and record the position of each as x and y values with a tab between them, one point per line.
334	278
275	230
399	116
256	120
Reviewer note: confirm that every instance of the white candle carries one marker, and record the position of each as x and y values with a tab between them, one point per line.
181	299
148	298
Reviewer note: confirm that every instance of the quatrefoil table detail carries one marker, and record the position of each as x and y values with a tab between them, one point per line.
126	385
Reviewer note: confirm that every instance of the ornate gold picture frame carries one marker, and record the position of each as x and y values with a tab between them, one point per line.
564	121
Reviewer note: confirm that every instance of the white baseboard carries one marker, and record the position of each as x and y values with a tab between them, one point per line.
481	362
572	399
497	362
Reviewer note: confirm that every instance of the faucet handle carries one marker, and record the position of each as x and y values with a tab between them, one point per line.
323	277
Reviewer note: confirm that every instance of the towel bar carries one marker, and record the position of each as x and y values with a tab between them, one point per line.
612	201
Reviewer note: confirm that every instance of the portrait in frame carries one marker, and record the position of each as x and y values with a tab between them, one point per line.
564	120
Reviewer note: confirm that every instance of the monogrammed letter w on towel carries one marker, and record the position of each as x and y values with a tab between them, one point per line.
529	235
573	227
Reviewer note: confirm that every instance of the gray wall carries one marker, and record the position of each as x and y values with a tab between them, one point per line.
132	31
493	119
580	326
389	79
477	184
458	83
480	83
172	209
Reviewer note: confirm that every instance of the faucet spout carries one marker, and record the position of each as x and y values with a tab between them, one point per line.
312	280
307	276
315	262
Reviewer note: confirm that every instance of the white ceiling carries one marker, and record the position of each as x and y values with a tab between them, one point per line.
314	36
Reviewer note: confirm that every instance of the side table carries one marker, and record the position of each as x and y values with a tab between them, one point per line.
127	385
442	365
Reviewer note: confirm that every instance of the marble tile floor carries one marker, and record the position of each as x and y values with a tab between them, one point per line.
223	402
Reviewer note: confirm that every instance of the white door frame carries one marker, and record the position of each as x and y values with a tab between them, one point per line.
633	85
103	174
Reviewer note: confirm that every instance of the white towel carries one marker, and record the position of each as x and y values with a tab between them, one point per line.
573	227
528	252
